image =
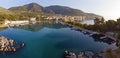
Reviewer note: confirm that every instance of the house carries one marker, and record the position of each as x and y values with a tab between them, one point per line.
6	22
32	20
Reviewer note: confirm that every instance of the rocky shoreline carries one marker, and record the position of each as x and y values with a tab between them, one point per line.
9	45
85	54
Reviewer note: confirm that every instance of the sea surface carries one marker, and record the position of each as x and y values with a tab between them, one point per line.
50	40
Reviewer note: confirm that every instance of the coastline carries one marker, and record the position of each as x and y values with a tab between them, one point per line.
6	25
104	54
87	30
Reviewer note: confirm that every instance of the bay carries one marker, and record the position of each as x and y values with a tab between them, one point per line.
50	40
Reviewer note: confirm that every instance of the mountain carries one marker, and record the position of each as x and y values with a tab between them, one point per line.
32	7
66	10
5	11
63	10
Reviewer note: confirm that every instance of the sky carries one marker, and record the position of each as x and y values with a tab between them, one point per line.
109	9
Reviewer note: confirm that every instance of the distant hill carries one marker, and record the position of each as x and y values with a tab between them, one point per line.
5	11
6	14
66	10
32	7
63	10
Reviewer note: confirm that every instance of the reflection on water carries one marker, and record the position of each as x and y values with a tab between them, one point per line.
39	26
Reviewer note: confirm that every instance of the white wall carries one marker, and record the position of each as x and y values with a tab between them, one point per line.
19	22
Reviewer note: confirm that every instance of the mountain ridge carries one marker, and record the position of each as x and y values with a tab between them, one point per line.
64	10
54	9
5	11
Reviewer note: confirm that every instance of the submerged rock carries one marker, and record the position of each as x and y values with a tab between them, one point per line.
68	54
9	45
85	54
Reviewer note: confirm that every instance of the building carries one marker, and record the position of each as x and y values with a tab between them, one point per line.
6	22
32	20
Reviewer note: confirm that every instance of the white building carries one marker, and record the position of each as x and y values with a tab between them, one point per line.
7	22
32	20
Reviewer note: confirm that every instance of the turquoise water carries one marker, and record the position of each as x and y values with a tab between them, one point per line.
50	40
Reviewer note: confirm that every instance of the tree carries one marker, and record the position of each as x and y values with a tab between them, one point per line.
111	25
118	40
118	24
97	21
102	20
